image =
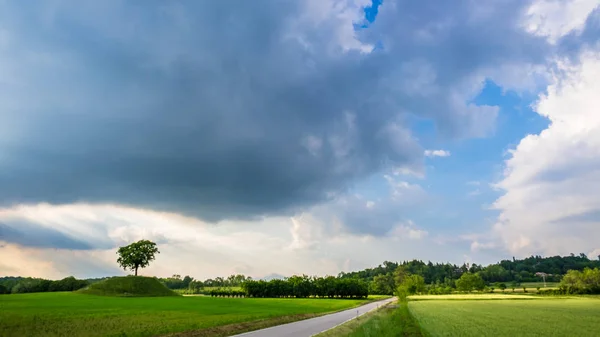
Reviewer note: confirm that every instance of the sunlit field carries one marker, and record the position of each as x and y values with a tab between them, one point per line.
471	297
502	317
73	314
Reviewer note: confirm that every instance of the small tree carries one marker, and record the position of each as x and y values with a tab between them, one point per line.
469	281
137	255
502	286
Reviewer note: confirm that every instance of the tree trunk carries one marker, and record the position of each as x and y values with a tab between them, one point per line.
136	268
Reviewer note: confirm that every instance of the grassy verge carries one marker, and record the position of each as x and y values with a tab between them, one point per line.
73	314
391	320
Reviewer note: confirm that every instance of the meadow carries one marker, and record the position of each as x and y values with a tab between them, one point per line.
574	316
75	314
392	320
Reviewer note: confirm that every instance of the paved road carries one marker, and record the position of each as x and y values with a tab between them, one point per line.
313	326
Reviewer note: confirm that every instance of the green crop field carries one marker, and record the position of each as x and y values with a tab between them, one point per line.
534	285
471	297
517	317
73	314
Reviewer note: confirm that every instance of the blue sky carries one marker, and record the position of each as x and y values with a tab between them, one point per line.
338	134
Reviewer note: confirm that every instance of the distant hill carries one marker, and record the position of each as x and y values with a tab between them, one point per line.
273	277
129	286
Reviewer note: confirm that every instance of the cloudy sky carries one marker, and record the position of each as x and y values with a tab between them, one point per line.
297	136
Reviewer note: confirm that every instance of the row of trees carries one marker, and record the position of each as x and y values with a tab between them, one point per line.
188	282
304	286
18	285
443	275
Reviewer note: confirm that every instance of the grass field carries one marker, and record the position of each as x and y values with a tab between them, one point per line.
531	287
537	317
471	297
73	314
392	320
534	285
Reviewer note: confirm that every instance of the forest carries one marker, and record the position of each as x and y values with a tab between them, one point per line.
515	271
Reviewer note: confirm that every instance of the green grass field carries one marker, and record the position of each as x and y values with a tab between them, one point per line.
530	287
534	285
73	314
537	317
507	296
392	320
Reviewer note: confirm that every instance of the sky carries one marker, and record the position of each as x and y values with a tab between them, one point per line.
300	136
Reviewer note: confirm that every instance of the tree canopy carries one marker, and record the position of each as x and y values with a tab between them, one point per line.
137	255
469	282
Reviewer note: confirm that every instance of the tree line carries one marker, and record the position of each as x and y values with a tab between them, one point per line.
21	285
444	275
176	282
305	286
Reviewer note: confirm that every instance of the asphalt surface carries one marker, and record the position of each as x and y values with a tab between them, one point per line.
313	326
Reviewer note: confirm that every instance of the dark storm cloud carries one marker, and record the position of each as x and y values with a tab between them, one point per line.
234	108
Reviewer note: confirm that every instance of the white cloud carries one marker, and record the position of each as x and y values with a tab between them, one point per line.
476	246
404	191
407	230
437	153
556	18
189	246
551	182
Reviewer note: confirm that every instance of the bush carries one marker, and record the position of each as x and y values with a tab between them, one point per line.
581	282
551	292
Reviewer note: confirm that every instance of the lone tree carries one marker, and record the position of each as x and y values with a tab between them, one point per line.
137	255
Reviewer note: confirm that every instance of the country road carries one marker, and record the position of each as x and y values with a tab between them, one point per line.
313	326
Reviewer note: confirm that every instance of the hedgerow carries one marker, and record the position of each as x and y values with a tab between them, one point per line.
304	286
